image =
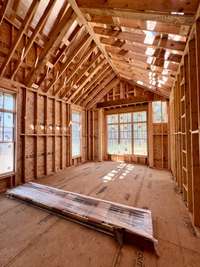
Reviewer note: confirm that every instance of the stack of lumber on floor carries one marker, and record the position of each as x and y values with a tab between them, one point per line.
108	217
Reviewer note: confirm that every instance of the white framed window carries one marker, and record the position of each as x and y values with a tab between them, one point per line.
159	109
127	133
7	133
140	133
76	134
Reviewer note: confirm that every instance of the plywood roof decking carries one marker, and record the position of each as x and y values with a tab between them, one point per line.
141	41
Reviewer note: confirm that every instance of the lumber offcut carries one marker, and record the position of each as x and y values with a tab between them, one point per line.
123	222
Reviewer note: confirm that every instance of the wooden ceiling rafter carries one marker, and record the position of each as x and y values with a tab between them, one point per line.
62	53
29	16
55	39
99	65
86	39
85	70
76	67
34	35
146	88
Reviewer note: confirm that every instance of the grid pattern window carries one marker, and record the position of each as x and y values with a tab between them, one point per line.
123	134
140	133
7	132
159	112
76	134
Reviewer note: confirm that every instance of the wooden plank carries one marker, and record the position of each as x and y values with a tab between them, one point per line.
138	26
135	37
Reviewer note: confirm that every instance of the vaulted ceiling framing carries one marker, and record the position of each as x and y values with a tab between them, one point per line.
81	49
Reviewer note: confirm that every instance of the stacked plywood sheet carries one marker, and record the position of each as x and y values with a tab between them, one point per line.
112	218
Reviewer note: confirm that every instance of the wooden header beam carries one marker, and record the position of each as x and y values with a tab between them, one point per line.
122	102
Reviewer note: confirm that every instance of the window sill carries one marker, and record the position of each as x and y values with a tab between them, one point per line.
76	157
6	175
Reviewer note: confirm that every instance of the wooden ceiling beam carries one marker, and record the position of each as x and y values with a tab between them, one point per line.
161	6
86	39
34	35
3	9
144	16
22	30
55	39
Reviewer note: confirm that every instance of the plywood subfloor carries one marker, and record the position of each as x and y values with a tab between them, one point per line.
31	237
